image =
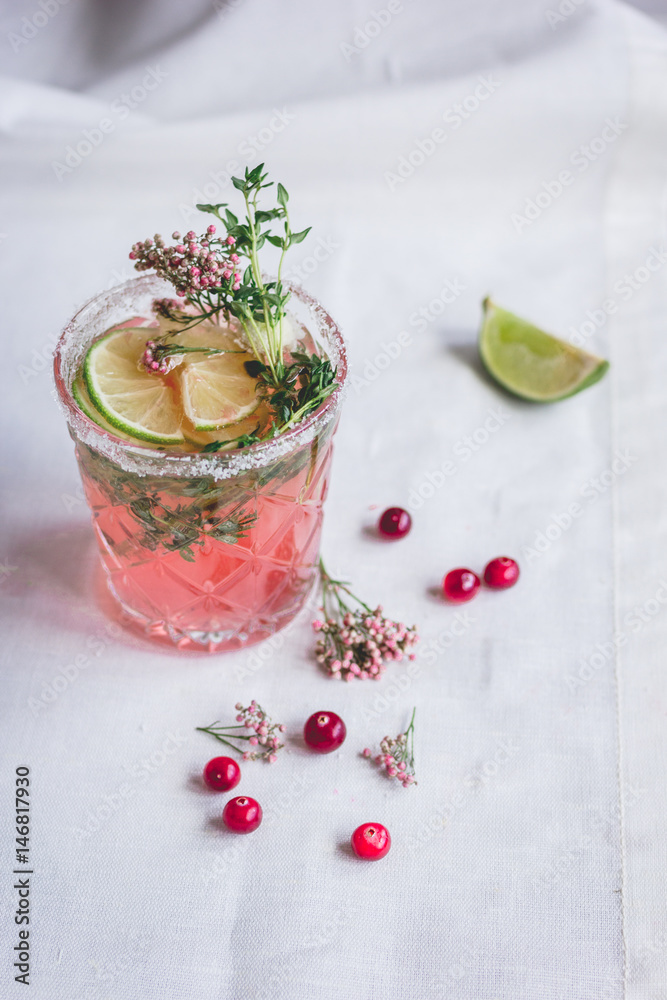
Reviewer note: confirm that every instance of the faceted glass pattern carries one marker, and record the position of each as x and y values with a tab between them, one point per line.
174	574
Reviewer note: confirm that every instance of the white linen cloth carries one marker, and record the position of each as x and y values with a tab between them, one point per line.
530	862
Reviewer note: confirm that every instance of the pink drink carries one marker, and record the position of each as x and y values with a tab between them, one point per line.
208	551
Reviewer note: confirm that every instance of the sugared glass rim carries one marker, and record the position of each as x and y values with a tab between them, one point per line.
148	460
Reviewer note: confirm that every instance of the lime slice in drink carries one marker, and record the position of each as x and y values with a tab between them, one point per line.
216	388
200	392
82	400
531	363
131	399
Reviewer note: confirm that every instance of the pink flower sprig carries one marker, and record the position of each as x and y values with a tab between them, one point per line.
264	740
397	756
193	263
220	275
357	641
154	359
158	355
168	309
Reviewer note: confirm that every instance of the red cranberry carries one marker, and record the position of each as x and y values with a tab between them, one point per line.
394	523
460	585
242	814
371	841
501	573
222	773
324	732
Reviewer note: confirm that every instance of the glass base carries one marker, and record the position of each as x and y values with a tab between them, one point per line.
199	641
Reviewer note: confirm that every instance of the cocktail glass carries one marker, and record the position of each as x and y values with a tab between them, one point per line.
208	551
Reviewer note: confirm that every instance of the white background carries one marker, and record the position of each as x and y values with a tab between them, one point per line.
530	861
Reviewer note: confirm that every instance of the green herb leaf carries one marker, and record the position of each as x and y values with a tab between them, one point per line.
214	209
299	237
282	195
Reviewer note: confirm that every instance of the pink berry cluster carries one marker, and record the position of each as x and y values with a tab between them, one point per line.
361	642
193	264
397	755
266	732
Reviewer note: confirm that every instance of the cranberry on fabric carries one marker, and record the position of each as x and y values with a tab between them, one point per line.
371	841
242	814
324	732
394	523
501	573
460	585
222	773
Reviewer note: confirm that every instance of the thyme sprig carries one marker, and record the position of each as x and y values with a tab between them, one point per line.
163	521
220	276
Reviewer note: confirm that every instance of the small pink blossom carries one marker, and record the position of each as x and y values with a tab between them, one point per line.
190	262
263	746
397	755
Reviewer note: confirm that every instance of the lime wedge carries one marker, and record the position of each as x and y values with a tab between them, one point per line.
216	388
131	399
533	364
